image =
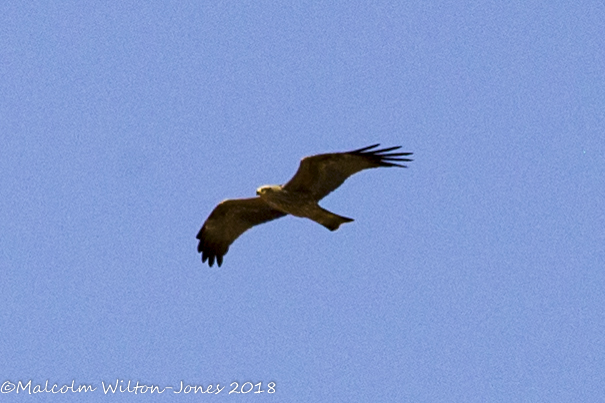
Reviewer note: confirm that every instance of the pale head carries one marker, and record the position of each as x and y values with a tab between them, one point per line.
268	189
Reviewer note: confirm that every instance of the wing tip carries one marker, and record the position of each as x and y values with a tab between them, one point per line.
211	257
384	157
210	252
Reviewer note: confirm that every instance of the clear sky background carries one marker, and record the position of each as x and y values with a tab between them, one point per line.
475	275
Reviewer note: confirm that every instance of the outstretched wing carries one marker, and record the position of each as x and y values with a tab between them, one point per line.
227	222
319	175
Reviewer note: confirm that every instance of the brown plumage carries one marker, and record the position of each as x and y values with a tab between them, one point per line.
316	177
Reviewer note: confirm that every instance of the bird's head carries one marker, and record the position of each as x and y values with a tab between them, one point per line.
267	189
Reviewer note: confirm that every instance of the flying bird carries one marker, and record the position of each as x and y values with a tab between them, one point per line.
317	176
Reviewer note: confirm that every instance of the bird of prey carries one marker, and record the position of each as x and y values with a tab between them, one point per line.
317	176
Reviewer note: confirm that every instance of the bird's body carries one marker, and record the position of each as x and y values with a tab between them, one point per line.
300	204
316	177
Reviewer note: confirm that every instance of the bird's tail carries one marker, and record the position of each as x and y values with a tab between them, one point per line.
329	220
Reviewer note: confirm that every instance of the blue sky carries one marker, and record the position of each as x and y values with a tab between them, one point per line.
475	275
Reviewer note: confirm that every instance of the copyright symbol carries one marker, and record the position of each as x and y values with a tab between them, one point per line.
7	387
